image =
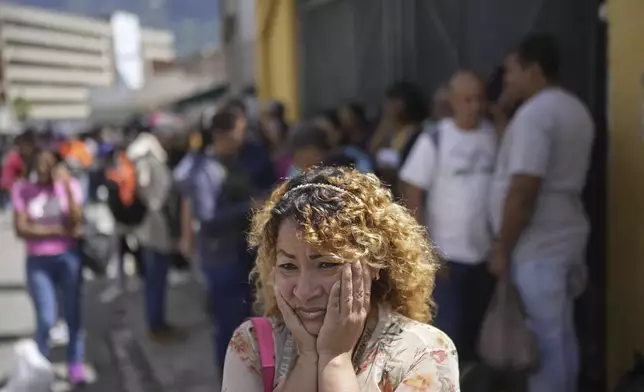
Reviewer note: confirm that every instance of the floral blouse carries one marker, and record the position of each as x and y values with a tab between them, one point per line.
398	355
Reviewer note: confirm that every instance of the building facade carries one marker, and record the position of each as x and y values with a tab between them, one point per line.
49	61
238	42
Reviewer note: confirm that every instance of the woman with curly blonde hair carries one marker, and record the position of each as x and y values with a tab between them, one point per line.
344	275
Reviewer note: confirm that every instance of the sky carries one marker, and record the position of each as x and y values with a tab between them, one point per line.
194	22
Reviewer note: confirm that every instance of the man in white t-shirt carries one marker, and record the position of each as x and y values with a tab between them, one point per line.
446	183
536	207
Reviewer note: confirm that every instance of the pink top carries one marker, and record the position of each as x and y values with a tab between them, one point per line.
45	205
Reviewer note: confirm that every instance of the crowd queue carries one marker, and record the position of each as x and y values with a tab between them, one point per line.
357	296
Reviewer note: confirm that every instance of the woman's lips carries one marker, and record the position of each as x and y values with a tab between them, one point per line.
310	314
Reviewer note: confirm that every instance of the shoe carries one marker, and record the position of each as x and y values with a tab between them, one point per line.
59	335
76	373
166	334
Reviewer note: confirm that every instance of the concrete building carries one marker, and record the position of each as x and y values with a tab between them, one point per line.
51	60
238	42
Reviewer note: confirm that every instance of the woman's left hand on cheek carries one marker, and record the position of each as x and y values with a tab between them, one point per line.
347	309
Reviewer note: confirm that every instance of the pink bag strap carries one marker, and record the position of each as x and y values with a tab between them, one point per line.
264	333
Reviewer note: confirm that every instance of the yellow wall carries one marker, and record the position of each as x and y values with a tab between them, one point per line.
277	57
626	184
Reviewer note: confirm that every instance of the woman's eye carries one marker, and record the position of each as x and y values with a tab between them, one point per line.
327	265
287	266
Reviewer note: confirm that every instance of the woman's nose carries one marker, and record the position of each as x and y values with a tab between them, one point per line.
306	289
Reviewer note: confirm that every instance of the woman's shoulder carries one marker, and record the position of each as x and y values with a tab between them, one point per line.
420	355
245	345
420	334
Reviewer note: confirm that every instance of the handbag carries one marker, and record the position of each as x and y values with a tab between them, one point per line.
266	344
96	250
506	343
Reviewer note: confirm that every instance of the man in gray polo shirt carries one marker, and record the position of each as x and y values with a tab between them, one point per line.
536	207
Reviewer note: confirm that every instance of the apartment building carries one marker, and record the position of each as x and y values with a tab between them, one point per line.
51	60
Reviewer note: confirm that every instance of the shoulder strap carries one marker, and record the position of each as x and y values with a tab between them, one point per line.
266	344
433	131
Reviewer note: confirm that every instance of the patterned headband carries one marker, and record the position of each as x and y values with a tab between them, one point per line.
318	186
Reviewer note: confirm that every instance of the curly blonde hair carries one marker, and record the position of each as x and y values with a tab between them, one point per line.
355	218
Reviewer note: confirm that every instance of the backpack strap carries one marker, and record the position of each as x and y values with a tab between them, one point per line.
433	131
266	344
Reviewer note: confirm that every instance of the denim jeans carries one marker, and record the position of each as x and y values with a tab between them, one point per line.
157	266
547	288
462	299
45	274
230	298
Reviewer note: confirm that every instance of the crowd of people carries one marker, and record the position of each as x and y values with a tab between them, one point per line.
494	175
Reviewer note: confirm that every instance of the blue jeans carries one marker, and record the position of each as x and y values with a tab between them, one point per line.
230	298
546	288
45	274
156	279
462	299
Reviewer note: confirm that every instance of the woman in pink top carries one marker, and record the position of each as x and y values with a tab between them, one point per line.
48	216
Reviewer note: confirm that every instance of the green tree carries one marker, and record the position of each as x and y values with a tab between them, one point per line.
22	108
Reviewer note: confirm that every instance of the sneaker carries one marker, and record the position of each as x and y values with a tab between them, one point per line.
76	373
59	335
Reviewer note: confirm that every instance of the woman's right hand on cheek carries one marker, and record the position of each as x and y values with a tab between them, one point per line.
306	343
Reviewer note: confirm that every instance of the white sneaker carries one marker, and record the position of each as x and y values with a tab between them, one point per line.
59	334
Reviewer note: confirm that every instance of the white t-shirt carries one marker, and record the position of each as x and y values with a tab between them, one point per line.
551	137
457	179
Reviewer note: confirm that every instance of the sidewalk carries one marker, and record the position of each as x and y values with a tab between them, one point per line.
119	355
185	366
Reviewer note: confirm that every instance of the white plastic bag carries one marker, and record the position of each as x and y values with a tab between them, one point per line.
31	371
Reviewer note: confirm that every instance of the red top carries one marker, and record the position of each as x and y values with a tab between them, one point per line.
12	169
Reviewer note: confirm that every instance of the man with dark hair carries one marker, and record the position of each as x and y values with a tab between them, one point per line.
310	145
220	191
536	207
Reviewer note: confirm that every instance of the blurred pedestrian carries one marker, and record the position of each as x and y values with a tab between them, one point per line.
446	184
49	216
537	212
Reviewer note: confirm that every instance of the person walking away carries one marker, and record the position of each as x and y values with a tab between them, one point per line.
156	234
219	190
446	182
48	215
14	164
254	156
536	207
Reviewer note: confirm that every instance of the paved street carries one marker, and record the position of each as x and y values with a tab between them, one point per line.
120	357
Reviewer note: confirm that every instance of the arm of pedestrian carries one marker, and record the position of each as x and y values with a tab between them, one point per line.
518	209
186	241
22	225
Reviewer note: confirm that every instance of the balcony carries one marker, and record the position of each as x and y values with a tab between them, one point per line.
59	111
53	39
34	93
158	53
42	56
54	20
45	75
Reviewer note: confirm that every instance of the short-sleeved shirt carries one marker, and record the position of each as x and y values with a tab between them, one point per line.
550	137
46	205
399	355
455	168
